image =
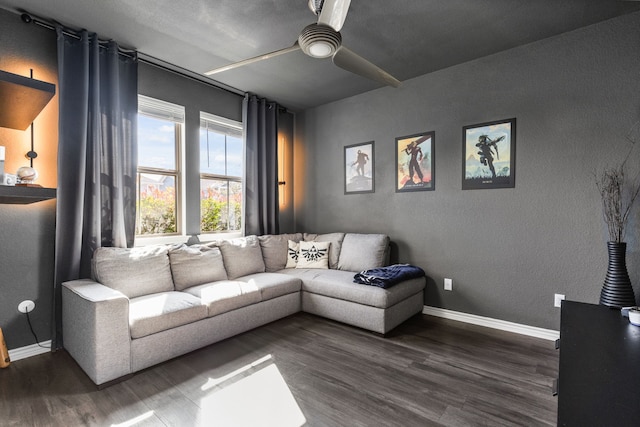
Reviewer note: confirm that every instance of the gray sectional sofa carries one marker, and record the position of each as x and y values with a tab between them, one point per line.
149	304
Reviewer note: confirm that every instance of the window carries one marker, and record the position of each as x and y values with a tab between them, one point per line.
159	143
221	167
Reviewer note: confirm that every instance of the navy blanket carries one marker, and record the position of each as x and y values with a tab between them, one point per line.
385	277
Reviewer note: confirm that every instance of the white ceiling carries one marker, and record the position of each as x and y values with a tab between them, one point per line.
407	38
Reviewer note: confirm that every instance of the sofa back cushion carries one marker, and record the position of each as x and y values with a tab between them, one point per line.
134	272
241	256
196	265
274	249
336	245
363	251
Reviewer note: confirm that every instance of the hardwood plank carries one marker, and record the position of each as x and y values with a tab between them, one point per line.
306	370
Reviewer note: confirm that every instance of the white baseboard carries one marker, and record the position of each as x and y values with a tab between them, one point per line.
29	351
503	325
547	334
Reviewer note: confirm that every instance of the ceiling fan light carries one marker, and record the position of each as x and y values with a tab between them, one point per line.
319	41
320	49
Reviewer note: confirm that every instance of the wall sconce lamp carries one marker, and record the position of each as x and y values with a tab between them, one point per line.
281	167
21	100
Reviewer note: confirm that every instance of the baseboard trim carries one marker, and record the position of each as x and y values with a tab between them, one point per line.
503	325
29	351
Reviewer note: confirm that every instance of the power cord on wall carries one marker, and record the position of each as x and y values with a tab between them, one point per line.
34	333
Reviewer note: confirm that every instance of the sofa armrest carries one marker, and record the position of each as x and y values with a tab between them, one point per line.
95	327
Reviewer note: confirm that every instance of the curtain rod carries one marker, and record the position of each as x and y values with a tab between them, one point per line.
29	18
188	74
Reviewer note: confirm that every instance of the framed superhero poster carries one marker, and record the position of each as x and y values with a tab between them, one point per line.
489	155
415	162
359	171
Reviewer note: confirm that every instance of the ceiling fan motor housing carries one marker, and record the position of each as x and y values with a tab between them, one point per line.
319	41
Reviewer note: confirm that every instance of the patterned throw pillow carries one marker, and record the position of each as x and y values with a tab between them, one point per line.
313	255
293	250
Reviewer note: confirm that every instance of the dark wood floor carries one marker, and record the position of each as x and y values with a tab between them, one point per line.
305	370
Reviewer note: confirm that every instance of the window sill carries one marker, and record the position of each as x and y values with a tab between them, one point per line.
177	239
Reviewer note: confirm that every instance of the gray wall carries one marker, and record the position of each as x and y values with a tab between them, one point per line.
508	251
27	232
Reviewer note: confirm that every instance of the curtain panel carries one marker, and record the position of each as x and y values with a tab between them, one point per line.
97	155
260	119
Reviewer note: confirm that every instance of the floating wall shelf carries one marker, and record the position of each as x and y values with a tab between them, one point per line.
18	195
22	99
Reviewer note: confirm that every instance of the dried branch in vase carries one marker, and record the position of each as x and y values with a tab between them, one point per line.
618	195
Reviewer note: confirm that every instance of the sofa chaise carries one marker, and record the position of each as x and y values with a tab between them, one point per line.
150	304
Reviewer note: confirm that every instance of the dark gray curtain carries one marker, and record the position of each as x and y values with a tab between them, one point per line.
97	155
260	119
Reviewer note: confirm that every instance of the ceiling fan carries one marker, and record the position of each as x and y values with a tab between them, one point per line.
322	40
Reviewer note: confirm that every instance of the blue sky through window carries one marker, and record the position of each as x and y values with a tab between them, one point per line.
156	143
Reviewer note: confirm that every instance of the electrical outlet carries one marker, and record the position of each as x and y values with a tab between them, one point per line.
448	284
26	306
557	300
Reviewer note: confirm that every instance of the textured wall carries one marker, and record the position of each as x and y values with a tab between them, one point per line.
508	251
27	232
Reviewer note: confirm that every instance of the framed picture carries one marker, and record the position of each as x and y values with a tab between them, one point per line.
359	169
489	155
415	162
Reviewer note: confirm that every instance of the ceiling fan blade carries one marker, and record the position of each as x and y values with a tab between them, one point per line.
295	47
333	13
350	61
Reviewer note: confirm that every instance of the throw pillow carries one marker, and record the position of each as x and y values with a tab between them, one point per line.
242	256
293	251
196	265
313	255
336	243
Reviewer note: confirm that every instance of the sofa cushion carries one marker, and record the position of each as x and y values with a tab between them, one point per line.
134	272
336	245
313	255
362	251
149	314
196	265
273	285
221	297
242	256
274	249
339	284
293	252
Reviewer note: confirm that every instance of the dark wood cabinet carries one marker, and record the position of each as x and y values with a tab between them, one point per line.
599	376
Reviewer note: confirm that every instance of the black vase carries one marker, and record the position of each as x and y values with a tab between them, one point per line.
617	291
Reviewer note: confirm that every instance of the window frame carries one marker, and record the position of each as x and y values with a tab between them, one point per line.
230	128
163	110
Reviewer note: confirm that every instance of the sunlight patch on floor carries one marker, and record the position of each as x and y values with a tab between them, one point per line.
259	397
133	421
217	381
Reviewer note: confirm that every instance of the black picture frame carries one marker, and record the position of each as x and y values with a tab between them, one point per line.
415	162
359	168
489	155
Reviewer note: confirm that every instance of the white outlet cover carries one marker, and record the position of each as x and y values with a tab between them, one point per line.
26	306
557	300
448	284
